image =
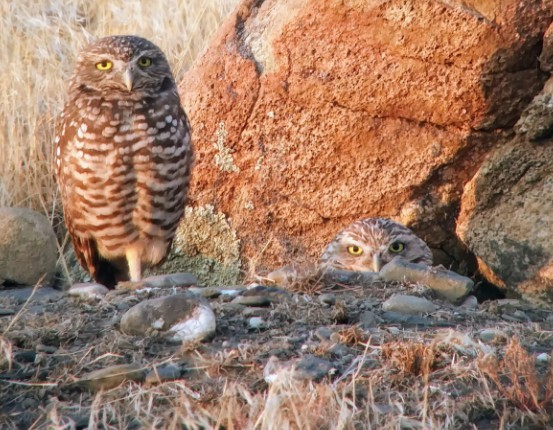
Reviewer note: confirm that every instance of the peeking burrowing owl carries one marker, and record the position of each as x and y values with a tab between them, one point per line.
369	244
123	158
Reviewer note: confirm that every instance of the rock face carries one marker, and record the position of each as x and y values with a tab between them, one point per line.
507	219
308	115
28	249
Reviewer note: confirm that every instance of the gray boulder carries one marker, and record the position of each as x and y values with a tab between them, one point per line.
28	249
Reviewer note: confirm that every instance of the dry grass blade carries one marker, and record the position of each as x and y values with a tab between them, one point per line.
43	39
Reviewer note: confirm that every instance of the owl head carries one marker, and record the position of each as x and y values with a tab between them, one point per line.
122	64
369	244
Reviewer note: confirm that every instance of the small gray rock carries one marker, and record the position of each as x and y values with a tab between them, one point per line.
112	376
543	358
368	319
323	333
163	373
409	305
492	335
88	290
327	299
470	303
28	247
256	323
312	367
182	317
6	312
169	280
41	295
252	300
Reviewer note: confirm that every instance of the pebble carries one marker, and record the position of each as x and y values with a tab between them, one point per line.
312	367
6	312
543	358
213	292
112	376
88	290
492	335
256	323
368	319
470	303
252	300
327	299
163	373
347	277
181	317
323	333
181	279
450	285
255	312
409	305
42	294
401	318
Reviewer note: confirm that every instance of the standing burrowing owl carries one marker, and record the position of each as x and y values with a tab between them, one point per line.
123	158
369	244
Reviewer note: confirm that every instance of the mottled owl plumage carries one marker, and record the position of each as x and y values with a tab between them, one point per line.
369	244
123	158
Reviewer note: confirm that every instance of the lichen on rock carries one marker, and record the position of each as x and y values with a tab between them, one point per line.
205	244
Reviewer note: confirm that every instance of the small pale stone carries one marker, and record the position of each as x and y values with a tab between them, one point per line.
450	285
327	299
88	290
182	317
409	305
182	279
256	323
112	376
543	358
492	335
471	303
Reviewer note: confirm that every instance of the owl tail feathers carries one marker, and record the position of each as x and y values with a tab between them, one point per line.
105	272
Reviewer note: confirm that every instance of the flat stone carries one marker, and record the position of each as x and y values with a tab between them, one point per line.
252	300
409	305
42	294
327	299
180	317
112	376
312	367
404	319
449	285
348	277
169	280
88	290
6	312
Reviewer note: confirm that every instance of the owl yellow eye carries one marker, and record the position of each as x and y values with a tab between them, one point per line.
104	65
145	62
355	250
397	247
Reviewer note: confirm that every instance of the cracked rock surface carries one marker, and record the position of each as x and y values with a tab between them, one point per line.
328	112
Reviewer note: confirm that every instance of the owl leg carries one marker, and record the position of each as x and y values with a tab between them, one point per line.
133	260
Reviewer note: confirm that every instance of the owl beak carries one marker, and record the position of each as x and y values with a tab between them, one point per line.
377	262
127	79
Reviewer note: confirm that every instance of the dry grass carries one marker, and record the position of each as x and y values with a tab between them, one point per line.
41	39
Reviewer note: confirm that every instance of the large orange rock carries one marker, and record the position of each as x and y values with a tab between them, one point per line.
309	114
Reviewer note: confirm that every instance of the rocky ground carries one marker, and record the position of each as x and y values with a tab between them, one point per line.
319	357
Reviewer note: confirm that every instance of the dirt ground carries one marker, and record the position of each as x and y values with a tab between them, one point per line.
333	358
